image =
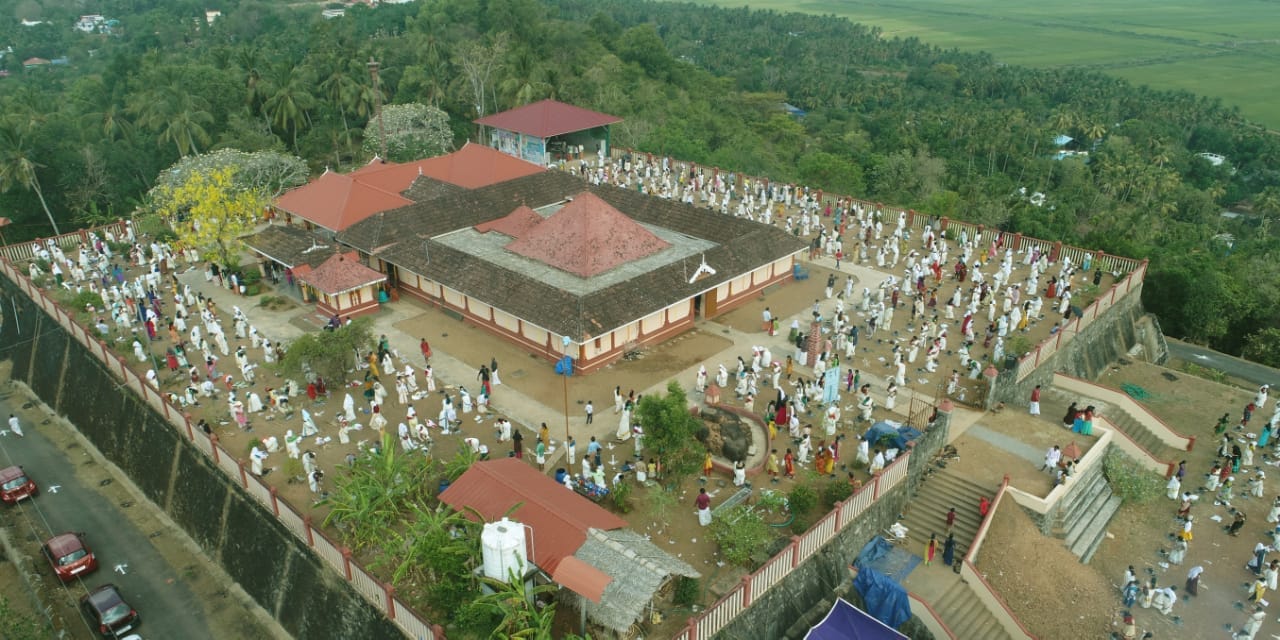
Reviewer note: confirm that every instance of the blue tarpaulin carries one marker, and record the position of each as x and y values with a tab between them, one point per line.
885	599
890	560
901	433
847	622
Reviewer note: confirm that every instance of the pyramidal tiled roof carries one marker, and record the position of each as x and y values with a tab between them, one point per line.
514	224
587	237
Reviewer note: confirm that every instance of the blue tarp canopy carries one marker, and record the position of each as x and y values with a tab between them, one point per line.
901	433
885	599
847	622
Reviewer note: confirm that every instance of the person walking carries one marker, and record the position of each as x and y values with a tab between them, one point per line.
930	549
1193	580
703	503
951	520
1035	401
949	550
591	410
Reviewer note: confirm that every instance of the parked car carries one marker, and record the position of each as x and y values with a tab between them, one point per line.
114	616
15	485
69	556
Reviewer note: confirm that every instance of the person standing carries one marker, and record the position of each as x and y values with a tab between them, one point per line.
1193	580
15	426
517	443
767	321
703	502
949	550
984	506
707	465
1035	401
930	549
951	520
571	448
540	455
1051	458
425	348
591	410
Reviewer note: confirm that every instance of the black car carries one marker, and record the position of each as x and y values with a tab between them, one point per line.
114	616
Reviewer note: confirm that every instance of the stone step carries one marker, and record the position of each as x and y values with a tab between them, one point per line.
1085	515
1071	511
966	616
1092	538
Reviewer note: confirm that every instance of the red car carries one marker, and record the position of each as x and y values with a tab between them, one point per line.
69	556
114	616
15	485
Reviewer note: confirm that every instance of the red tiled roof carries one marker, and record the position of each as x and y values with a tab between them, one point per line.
587	237
341	273
514	224
335	201
558	517
547	118
474	166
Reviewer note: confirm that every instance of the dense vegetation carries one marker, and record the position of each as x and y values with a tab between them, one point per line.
897	121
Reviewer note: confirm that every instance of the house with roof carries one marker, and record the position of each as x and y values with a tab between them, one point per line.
606	570
548	130
565	268
341	285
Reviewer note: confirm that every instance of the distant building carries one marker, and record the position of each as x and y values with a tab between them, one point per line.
329	14
32	63
545	131
31	23
90	23
211	15
1213	158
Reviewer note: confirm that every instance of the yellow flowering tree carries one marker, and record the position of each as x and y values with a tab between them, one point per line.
209	211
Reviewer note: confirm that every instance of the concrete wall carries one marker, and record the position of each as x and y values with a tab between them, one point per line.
773	613
273	566
1106	339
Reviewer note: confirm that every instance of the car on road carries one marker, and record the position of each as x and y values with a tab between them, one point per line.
107	607
69	556
15	485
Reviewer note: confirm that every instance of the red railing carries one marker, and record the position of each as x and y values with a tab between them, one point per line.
758	583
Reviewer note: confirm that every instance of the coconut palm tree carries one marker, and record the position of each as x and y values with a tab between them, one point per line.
18	168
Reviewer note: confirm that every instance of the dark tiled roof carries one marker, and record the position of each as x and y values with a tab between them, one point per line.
428	188
403	238
291	246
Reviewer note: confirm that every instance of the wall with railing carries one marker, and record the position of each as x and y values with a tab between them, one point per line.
1041	353
26	250
981	588
1090	462
715	617
1125	403
378	593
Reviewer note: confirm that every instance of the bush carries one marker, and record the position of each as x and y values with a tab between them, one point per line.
621	496
686	591
834	492
802	499
1130	480
739	532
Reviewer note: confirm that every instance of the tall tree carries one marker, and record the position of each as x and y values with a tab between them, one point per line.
17	166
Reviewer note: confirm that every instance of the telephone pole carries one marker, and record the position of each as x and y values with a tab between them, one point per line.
377	109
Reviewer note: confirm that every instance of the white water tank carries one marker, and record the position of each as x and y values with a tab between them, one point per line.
503	550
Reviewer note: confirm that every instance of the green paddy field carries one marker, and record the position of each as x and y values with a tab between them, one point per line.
1228	49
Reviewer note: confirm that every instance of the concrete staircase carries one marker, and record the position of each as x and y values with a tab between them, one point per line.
1083	514
926	512
966	615
1118	417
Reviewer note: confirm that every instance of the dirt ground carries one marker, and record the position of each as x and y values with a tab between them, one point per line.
1137	535
1054	595
534	375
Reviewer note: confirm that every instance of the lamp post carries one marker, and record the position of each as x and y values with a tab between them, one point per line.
568	371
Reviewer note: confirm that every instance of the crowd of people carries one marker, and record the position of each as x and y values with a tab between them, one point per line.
1202	494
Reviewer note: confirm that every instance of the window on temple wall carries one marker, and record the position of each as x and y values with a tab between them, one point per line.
597	344
353	298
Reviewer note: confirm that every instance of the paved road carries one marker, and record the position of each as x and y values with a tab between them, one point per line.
1233	366
79	494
